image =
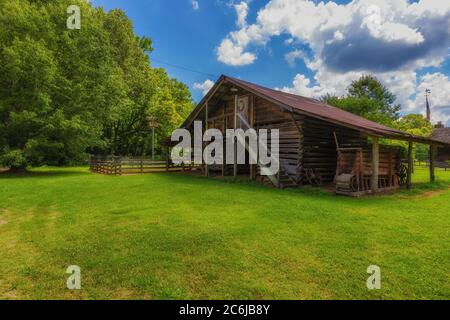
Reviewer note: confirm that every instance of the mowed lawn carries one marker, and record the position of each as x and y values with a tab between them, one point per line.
175	236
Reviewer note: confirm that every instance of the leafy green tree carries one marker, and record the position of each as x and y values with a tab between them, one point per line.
67	92
368	98
417	125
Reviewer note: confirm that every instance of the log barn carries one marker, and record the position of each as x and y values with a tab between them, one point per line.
319	144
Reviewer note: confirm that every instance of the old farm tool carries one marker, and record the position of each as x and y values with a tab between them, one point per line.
349	169
313	177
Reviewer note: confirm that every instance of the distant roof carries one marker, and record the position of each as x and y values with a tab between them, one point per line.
441	134
313	108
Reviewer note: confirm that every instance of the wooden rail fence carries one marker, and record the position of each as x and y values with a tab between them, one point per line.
438	164
112	165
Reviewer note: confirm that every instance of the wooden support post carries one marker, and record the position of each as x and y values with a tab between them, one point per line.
432	154
224	122
410	165
375	163
390	169
251	120
235	142
206	128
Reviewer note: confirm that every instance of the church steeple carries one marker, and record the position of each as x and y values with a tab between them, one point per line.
427	93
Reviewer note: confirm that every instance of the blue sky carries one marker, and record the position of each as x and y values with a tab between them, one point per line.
186	37
403	43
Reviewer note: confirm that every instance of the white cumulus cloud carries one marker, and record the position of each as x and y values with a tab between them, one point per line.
233	54
195	4
204	86
241	12
292	56
302	86
393	40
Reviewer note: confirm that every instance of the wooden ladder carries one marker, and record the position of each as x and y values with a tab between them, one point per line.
280	180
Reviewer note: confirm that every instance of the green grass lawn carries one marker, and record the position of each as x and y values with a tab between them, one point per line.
174	236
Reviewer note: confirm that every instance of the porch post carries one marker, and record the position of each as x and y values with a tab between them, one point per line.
224	119
375	163
206	128
432	154
410	165
235	142
251	120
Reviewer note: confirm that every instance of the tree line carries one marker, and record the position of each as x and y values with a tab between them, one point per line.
65	93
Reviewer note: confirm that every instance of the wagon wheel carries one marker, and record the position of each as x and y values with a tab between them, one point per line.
402	174
354	184
313	177
318	178
309	176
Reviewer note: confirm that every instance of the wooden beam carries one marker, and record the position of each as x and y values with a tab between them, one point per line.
235	142
375	163
220	117
224	132
251	122
206	128
410	165
390	168
432	156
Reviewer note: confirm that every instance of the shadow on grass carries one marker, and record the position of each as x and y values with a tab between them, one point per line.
242	184
50	173
419	188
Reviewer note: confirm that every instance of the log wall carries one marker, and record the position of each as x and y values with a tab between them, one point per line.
270	116
319	146
305	142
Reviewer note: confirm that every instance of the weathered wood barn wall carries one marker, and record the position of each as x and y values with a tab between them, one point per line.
442	134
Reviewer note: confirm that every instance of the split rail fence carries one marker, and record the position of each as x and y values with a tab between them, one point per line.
112	165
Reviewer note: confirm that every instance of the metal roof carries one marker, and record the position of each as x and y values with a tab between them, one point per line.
313	108
441	134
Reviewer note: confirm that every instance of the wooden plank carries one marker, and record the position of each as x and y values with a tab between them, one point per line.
390	168
223	147
206	128
432	164
410	165
234	142
252	122
375	163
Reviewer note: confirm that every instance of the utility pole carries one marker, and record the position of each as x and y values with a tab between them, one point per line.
427	94
152	123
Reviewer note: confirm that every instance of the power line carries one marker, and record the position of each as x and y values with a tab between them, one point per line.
185	68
